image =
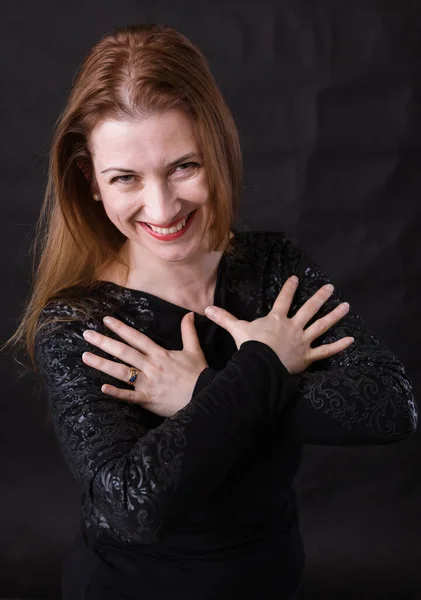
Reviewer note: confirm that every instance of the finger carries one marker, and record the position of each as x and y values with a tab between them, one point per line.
312	305
327	350
222	317
116	370
128	395
127	354
324	323
136	339
283	300
189	334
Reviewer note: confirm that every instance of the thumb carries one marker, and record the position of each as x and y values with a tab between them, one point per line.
222	317
189	335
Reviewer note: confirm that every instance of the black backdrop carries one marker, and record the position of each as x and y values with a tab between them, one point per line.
326	95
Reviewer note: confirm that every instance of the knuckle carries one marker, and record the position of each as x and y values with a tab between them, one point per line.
117	392
161	352
326	350
321	349
322	324
124	373
101	340
122	353
98	362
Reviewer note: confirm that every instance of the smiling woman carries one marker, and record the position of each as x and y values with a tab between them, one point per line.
184	430
158	192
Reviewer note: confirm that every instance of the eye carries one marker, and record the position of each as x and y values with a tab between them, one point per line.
122	179
126	179
189	165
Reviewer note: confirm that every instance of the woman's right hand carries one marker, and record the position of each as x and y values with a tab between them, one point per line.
286	336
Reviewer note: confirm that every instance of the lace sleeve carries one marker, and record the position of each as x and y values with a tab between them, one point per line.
361	395
141	476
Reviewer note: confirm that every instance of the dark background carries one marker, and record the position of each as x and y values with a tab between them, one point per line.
327	99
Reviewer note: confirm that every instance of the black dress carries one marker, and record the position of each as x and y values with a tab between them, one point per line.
201	505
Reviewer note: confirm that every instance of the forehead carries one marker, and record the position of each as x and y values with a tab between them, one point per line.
154	137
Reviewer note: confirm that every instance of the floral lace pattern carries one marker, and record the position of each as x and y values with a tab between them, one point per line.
361	395
133	465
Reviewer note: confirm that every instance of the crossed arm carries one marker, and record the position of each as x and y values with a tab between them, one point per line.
359	396
143	477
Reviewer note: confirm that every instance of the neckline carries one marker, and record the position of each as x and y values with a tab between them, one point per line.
217	300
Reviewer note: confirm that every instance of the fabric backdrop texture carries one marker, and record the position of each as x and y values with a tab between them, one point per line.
327	98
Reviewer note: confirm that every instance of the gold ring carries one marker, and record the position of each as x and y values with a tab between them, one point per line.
133	375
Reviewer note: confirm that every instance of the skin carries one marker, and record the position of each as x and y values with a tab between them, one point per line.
150	190
167	378
154	192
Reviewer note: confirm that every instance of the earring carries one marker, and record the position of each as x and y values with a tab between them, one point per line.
96	197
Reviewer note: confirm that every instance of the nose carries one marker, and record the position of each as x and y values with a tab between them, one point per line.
159	208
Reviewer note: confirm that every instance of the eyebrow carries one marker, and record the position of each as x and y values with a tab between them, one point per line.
171	164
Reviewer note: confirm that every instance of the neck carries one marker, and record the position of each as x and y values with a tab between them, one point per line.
194	278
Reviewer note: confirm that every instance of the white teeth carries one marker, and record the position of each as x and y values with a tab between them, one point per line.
164	231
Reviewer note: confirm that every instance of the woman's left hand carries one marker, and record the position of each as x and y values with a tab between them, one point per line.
166	378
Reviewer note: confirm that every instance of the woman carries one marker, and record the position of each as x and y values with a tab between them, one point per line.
183	427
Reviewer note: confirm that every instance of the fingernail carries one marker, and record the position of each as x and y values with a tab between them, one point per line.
108	320
210	311
294	279
90	335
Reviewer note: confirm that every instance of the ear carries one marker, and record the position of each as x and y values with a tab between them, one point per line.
85	168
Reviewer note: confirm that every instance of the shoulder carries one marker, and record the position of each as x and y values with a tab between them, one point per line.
67	313
60	326
75	308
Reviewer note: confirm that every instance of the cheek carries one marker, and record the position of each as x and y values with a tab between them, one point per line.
195	190
109	210
115	213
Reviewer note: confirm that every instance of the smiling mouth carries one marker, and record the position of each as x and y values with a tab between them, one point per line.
183	219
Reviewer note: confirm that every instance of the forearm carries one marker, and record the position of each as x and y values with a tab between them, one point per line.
177	464
361	395
352	406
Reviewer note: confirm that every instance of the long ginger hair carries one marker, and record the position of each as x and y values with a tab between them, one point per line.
131	72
